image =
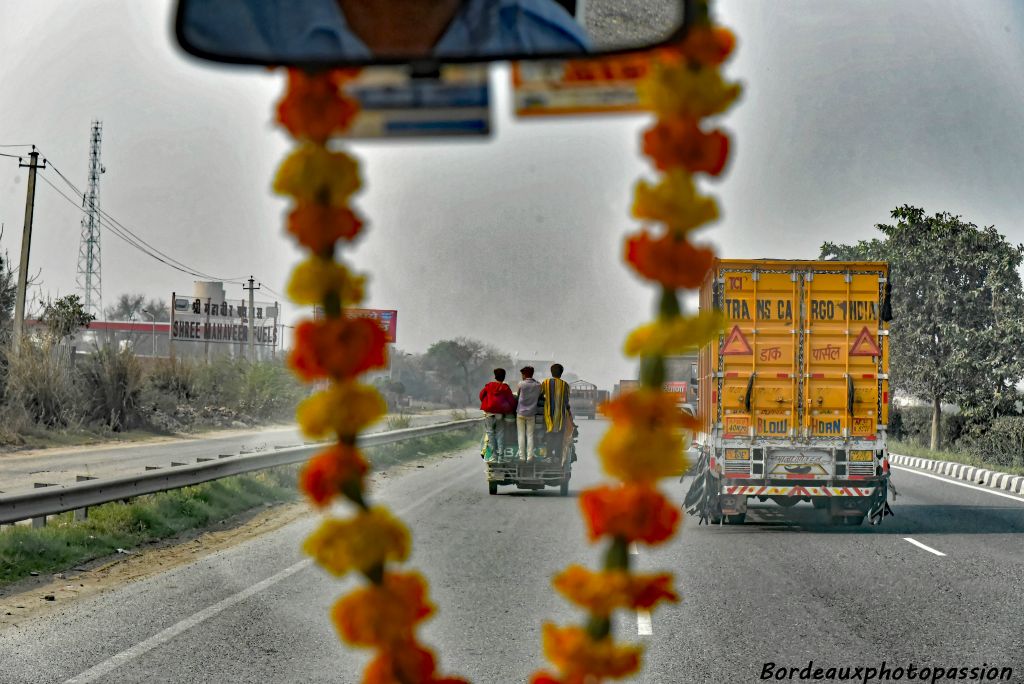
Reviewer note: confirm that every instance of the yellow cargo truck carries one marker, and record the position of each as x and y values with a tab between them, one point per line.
794	393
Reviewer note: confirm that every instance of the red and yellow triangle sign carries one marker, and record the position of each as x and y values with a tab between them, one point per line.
735	344
865	344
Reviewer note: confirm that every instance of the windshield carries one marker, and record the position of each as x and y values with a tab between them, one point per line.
853	493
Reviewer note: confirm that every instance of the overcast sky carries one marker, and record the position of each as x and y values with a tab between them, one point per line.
851	108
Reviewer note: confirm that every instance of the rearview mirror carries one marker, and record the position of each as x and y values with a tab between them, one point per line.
344	33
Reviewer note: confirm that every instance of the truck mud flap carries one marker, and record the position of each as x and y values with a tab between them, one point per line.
702	497
879	507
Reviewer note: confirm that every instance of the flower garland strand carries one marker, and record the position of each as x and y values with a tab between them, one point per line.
647	438
384	614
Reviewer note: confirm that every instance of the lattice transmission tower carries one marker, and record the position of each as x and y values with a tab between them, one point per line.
90	281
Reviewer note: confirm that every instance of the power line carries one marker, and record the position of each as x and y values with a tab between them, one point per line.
15	145
119	234
12	156
129	237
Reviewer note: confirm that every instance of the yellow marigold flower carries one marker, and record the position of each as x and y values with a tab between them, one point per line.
315	278
573	652
677	336
643	454
677	90
344	409
314	174
601	592
361	543
674	201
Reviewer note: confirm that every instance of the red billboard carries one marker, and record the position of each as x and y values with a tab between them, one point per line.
386	318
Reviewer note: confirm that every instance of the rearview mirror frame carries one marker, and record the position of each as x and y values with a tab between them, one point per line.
425	65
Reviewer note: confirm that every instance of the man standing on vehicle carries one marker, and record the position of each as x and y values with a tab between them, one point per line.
528	395
557	414
496	401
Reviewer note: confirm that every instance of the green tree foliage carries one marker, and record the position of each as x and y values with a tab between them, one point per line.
135	307
958	308
65	316
466	364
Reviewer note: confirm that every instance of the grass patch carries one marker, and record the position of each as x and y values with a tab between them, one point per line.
399	422
918	451
64	543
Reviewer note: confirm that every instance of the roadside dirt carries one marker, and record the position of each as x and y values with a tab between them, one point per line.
28	598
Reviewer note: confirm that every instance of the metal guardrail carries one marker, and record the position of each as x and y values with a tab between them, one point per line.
59	499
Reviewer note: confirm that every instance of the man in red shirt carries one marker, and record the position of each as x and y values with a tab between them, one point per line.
496	401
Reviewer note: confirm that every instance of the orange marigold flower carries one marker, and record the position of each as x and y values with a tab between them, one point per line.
677	90
670	260
576	655
544	678
408	663
604	591
360	543
345	409
318	226
303	357
385	614
644	407
635	512
324	475
338	347
681	143
709	45
315	106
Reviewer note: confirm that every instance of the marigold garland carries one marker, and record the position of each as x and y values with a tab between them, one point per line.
647	436
385	613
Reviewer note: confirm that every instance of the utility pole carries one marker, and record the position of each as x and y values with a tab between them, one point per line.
251	312
26	243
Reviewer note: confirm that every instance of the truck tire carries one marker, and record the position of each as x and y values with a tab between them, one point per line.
853	520
563	489
736	519
786	501
492	488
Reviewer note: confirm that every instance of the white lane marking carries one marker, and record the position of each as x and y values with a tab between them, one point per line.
162	637
633	551
923	546
643	623
959	484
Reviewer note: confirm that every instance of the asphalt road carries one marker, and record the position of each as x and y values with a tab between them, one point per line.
20	471
784	588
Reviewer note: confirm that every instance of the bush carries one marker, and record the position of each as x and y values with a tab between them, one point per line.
219	383
1001	444
269	390
914	424
173	378
110	382
38	383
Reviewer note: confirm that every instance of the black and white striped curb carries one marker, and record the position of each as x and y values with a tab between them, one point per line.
959	471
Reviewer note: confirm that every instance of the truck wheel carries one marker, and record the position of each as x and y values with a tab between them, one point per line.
563	489
492	487
736	519
852	520
786	501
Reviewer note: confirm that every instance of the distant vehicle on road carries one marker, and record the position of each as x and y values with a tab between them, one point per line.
583	399
795	394
553	456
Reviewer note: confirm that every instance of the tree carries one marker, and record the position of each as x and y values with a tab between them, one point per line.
65	317
465	364
8	293
958	311
159	308
127	308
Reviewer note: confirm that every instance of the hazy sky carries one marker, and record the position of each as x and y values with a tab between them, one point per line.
850	109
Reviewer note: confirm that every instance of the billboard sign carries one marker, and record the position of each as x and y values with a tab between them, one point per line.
573	87
386	318
226	322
